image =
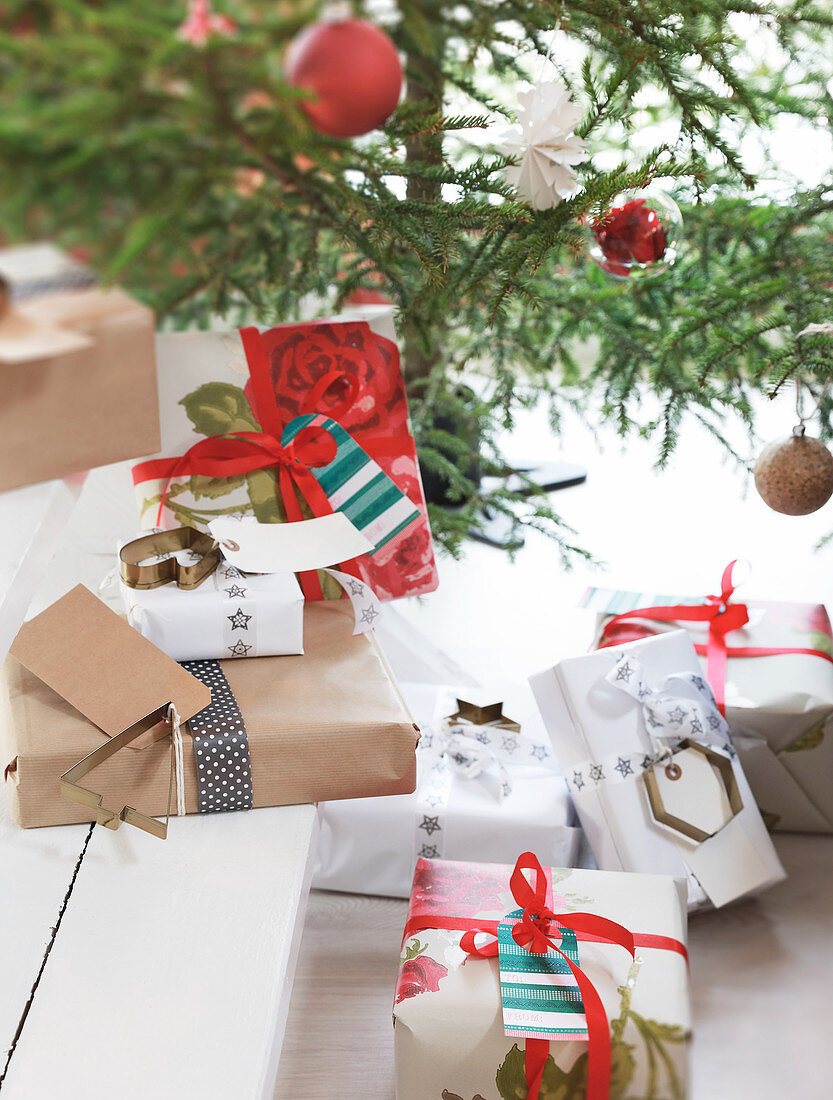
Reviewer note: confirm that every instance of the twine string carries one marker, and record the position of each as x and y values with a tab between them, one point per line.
179	767
823	329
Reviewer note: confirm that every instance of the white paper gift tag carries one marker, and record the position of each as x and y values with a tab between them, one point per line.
692	790
288	547
727	865
695	793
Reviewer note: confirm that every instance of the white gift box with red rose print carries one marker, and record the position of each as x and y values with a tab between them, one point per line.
449	1037
459	810
345	368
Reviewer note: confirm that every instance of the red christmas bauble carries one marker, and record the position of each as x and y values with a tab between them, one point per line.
353	69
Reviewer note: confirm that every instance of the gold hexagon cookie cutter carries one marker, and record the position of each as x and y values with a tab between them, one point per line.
111	819
727	775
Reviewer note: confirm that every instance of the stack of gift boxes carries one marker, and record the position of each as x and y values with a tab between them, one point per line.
280	506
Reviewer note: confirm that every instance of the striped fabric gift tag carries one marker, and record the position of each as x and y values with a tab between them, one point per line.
539	995
354	484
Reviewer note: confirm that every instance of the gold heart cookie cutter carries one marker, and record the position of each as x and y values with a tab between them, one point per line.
155	574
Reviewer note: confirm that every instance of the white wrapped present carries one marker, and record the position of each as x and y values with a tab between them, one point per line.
772	668
509	1024
231	612
652	771
485	788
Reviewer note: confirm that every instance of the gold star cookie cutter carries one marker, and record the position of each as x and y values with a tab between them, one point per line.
491	715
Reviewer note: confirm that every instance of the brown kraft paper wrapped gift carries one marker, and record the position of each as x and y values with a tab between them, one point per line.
327	724
78	370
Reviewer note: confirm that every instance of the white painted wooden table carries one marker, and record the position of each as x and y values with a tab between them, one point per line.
131	967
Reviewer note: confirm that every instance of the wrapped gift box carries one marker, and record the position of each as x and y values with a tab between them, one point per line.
778	689
329	724
197	604
266	620
273	386
449	1034
611	715
459	809
78	370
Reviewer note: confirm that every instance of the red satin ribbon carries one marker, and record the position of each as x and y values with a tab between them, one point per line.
723	617
533	933
245	452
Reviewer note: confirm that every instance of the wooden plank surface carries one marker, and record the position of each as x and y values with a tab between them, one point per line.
169	977
171	971
32	520
339	1040
36	870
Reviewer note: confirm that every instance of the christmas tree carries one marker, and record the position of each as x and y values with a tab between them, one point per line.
169	142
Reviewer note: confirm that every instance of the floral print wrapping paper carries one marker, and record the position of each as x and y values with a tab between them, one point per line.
448	1033
205	390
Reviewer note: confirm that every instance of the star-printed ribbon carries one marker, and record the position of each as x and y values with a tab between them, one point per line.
722	617
473	752
240	627
683	707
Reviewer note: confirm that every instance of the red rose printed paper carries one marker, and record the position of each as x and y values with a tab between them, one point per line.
243	390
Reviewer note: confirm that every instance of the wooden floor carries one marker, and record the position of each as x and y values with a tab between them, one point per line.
339	1037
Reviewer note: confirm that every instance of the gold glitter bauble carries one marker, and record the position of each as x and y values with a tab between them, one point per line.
795	475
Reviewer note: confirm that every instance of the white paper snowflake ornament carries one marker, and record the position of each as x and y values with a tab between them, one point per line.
546	145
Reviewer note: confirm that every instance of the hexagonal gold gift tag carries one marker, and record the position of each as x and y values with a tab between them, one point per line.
695	792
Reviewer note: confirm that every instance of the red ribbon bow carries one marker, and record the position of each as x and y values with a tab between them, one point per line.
243	452
533	933
722	616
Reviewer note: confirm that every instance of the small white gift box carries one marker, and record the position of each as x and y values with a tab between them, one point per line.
484	791
615	717
230	614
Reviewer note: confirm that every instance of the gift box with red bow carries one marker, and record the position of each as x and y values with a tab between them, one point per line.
541	982
292	422
770	666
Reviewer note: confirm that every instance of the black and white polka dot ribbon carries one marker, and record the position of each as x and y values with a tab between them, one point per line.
221	747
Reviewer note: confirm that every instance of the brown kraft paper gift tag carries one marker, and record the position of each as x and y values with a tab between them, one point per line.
91	657
327	724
